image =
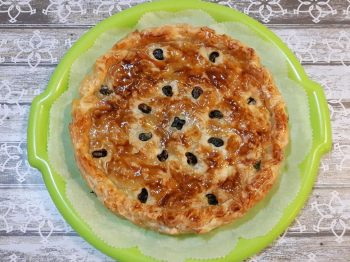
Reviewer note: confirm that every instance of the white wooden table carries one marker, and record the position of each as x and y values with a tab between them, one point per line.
34	35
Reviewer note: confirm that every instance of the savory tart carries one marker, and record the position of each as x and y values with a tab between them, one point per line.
179	129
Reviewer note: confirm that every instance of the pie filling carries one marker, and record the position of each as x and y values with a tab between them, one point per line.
180	124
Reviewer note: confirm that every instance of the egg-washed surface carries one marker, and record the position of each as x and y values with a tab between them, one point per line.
179	129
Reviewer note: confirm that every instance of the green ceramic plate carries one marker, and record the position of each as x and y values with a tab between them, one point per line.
38	126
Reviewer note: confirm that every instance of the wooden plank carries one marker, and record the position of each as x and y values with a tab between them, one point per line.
324	206
34	48
36	206
18	84
334	167
292	11
316	45
76	249
17	173
15	170
14	121
58	248
27	207
313	46
90	12
317	248
67	248
334	80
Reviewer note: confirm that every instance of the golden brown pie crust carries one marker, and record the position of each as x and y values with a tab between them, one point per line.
205	72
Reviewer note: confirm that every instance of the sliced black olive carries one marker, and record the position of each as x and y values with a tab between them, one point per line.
104	91
158	54
99	153
191	159
216	141
197	92
163	156
212	199
145	108
145	136
251	101
257	165
216	114
143	195
213	56
178	123
92	192
168	91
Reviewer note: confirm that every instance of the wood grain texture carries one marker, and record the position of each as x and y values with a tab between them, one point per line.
90	12
34	219
31	228
61	248
33	205
313	46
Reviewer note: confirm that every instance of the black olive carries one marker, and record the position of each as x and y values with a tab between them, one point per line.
145	108
213	56
99	153
104	91
168	91
216	141
257	165
197	92
178	123
145	136
143	195
251	101
163	156
158	54
191	159
212	199
216	114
